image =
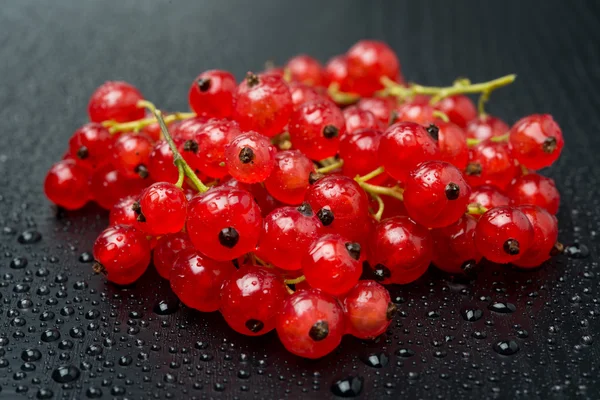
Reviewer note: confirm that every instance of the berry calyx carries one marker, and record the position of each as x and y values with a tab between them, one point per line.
250	157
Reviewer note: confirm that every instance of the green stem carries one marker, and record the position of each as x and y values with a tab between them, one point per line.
179	182
476	209
381	207
370	175
441	115
295	281
496	139
483	98
341	97
331	167
394	192
136	126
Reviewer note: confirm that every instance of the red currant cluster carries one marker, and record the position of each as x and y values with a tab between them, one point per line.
315	178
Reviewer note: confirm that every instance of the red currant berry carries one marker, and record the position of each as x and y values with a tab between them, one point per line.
454	246
503	234
534	189
290	177
303	68
315	129
167	248
358	119
400	250
67	185
115	101
131	155
368	62
380	107
360	154
160	163
108	186
224	223
251	299
489	197
287	233
310	324
123	253
545	234
265	201
336	71
536	141
197	280
91	145
187	129
436	194
368	310
162	209
122	213
332	264
403	146
421	114
302	93
486	127
211	94
491	163
263	103
206	150
250	157
459	109
153	130
452	143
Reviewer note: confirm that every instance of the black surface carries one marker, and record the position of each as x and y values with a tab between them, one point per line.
54	53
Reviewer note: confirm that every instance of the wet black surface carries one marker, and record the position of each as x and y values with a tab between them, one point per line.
65	333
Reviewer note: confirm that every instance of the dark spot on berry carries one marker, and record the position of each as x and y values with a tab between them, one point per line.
473	169
330	131
353	250
511	246
83	153
305	209
251	79
142	171
549	145
246	155
141	218
393	117
191	145
203	84
381	272
236	263
325	215
557	249
433	131
469	267
319	331
254	325
313	177
229	237
452	191
391	311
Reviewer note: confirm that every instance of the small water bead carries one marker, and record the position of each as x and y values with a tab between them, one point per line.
29	237
65	374
502	308
379	360
18	263
31	355
506	347
348	387
86	257
577	250
50	335
471	314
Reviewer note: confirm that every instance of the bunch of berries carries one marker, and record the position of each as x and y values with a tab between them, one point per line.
286	200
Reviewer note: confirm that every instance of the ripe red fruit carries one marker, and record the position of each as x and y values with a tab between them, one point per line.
503	234
67	185
263	103
251	299
400	250
131	153
123	252
332	264
368	62
452	143
303	68
419	113
380	107
224	223
545	234
162	209
360	154
485	127
187	129
459	109
536	141
211	94
122	212
534	189
115	100
302	93
288	181
265	201
358	119
90	145
310	324
436	194
166	251
160	163
206	149
197	280
108	186
287	233
315	129
403	146
489	197
250	157
336	71
454	246
490	163
368	310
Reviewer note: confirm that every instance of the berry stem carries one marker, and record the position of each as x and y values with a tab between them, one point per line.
177	158
137	125
483	98
295	281
179	182
381	207
496	139
476	209
441	115
395	192
370	175
331	167
340	97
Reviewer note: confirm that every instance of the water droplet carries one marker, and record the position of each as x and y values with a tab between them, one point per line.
577	250
348	387
522	333
44	393
405	352
506	347
50	335
29	237
86	257
479	335
31	355
471	314
65	374
376	360
93	392
18	263
167	306
502	308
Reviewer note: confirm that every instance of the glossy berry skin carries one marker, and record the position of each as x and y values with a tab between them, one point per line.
380	107
90	145
251	299
315	129
212	139
250	157
491	163
489	197
358	119
263	103
288	181
545	234
187	129
368	310
400	250
124	252
265	201
453	144
436	194
332	264
418	113
536	141
360	154
454	246
67	185
117	101
108	186
166	251
459	109
302	93
163	209
197	280
534	189
403	146
368	62
340	198
503	234
287	233
122	212
131	153
211	94
336	71
224	223
311	323
160	163
304	68
485	127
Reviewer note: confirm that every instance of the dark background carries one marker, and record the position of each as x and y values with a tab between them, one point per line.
54	53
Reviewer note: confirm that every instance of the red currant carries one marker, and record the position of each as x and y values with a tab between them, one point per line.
536	141
211	94
115	100
131	154
491	163
289	180
534	189
108	186
380	107
250	157
207	146
336	71
166	250
91	145
486	127
302	93
454	246
67	185
187	129
358	119
368	310
368	62
489	197
459	109
122	213
421	114
545	234
360	154
265	201
160	163
452	143
162	209
305	69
